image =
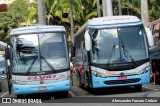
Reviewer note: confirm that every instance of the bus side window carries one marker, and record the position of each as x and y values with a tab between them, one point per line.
83	51
85	57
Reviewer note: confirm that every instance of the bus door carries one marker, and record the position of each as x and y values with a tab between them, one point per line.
8	67
85	67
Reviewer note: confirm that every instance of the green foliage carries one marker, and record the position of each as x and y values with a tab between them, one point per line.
18	9
58	12
154	9
32	13
135	8
12	18
7	22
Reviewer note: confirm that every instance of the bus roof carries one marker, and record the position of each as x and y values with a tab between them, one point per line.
114	21
37	29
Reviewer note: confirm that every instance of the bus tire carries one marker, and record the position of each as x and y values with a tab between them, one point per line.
138	87
65	94
85	81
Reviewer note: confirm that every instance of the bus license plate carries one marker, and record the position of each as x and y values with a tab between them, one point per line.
42	88
122	78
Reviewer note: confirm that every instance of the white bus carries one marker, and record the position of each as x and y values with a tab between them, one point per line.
113	51
38	61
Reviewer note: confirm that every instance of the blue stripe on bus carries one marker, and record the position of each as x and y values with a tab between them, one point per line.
31	89
138	22
101	81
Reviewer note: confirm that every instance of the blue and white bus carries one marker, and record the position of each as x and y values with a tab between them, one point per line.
38	61
112	51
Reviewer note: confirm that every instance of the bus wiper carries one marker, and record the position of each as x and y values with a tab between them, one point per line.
29	69
111	53
44	60
125	49
48	64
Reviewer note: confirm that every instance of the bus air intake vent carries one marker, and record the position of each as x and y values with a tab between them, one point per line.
111	82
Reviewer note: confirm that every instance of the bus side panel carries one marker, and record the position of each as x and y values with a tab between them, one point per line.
32	84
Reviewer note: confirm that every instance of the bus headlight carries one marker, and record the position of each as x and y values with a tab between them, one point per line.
19	82
98	74
145	70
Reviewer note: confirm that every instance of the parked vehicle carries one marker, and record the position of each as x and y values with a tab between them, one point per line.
2	67
37	60
113	51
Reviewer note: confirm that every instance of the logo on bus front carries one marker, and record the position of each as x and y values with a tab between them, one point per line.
122	74
41	77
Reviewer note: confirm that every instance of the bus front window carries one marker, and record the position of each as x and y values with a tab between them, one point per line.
39	52
25	53
119	45
53	49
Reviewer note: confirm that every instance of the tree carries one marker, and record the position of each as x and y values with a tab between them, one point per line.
87	10
71	21
18	8
41	12
57	12
7	22
12	18
135	8
144	11
154	9
32	13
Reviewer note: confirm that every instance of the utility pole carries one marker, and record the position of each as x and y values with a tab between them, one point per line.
41	12
98	9
107	8
119	7
71	20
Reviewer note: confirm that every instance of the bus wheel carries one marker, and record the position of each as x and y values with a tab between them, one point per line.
138	87
85	82
65	94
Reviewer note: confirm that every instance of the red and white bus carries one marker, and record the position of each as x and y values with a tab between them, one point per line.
37	60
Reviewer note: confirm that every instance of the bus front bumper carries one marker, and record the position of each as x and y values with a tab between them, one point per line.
98	82
41	88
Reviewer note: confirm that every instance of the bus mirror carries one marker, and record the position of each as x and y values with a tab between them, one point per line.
73	51
72	59
87	41
8	62
149	37
7	56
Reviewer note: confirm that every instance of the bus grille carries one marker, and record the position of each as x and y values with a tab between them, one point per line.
122	81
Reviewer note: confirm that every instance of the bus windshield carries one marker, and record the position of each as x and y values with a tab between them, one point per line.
119	45
42	52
